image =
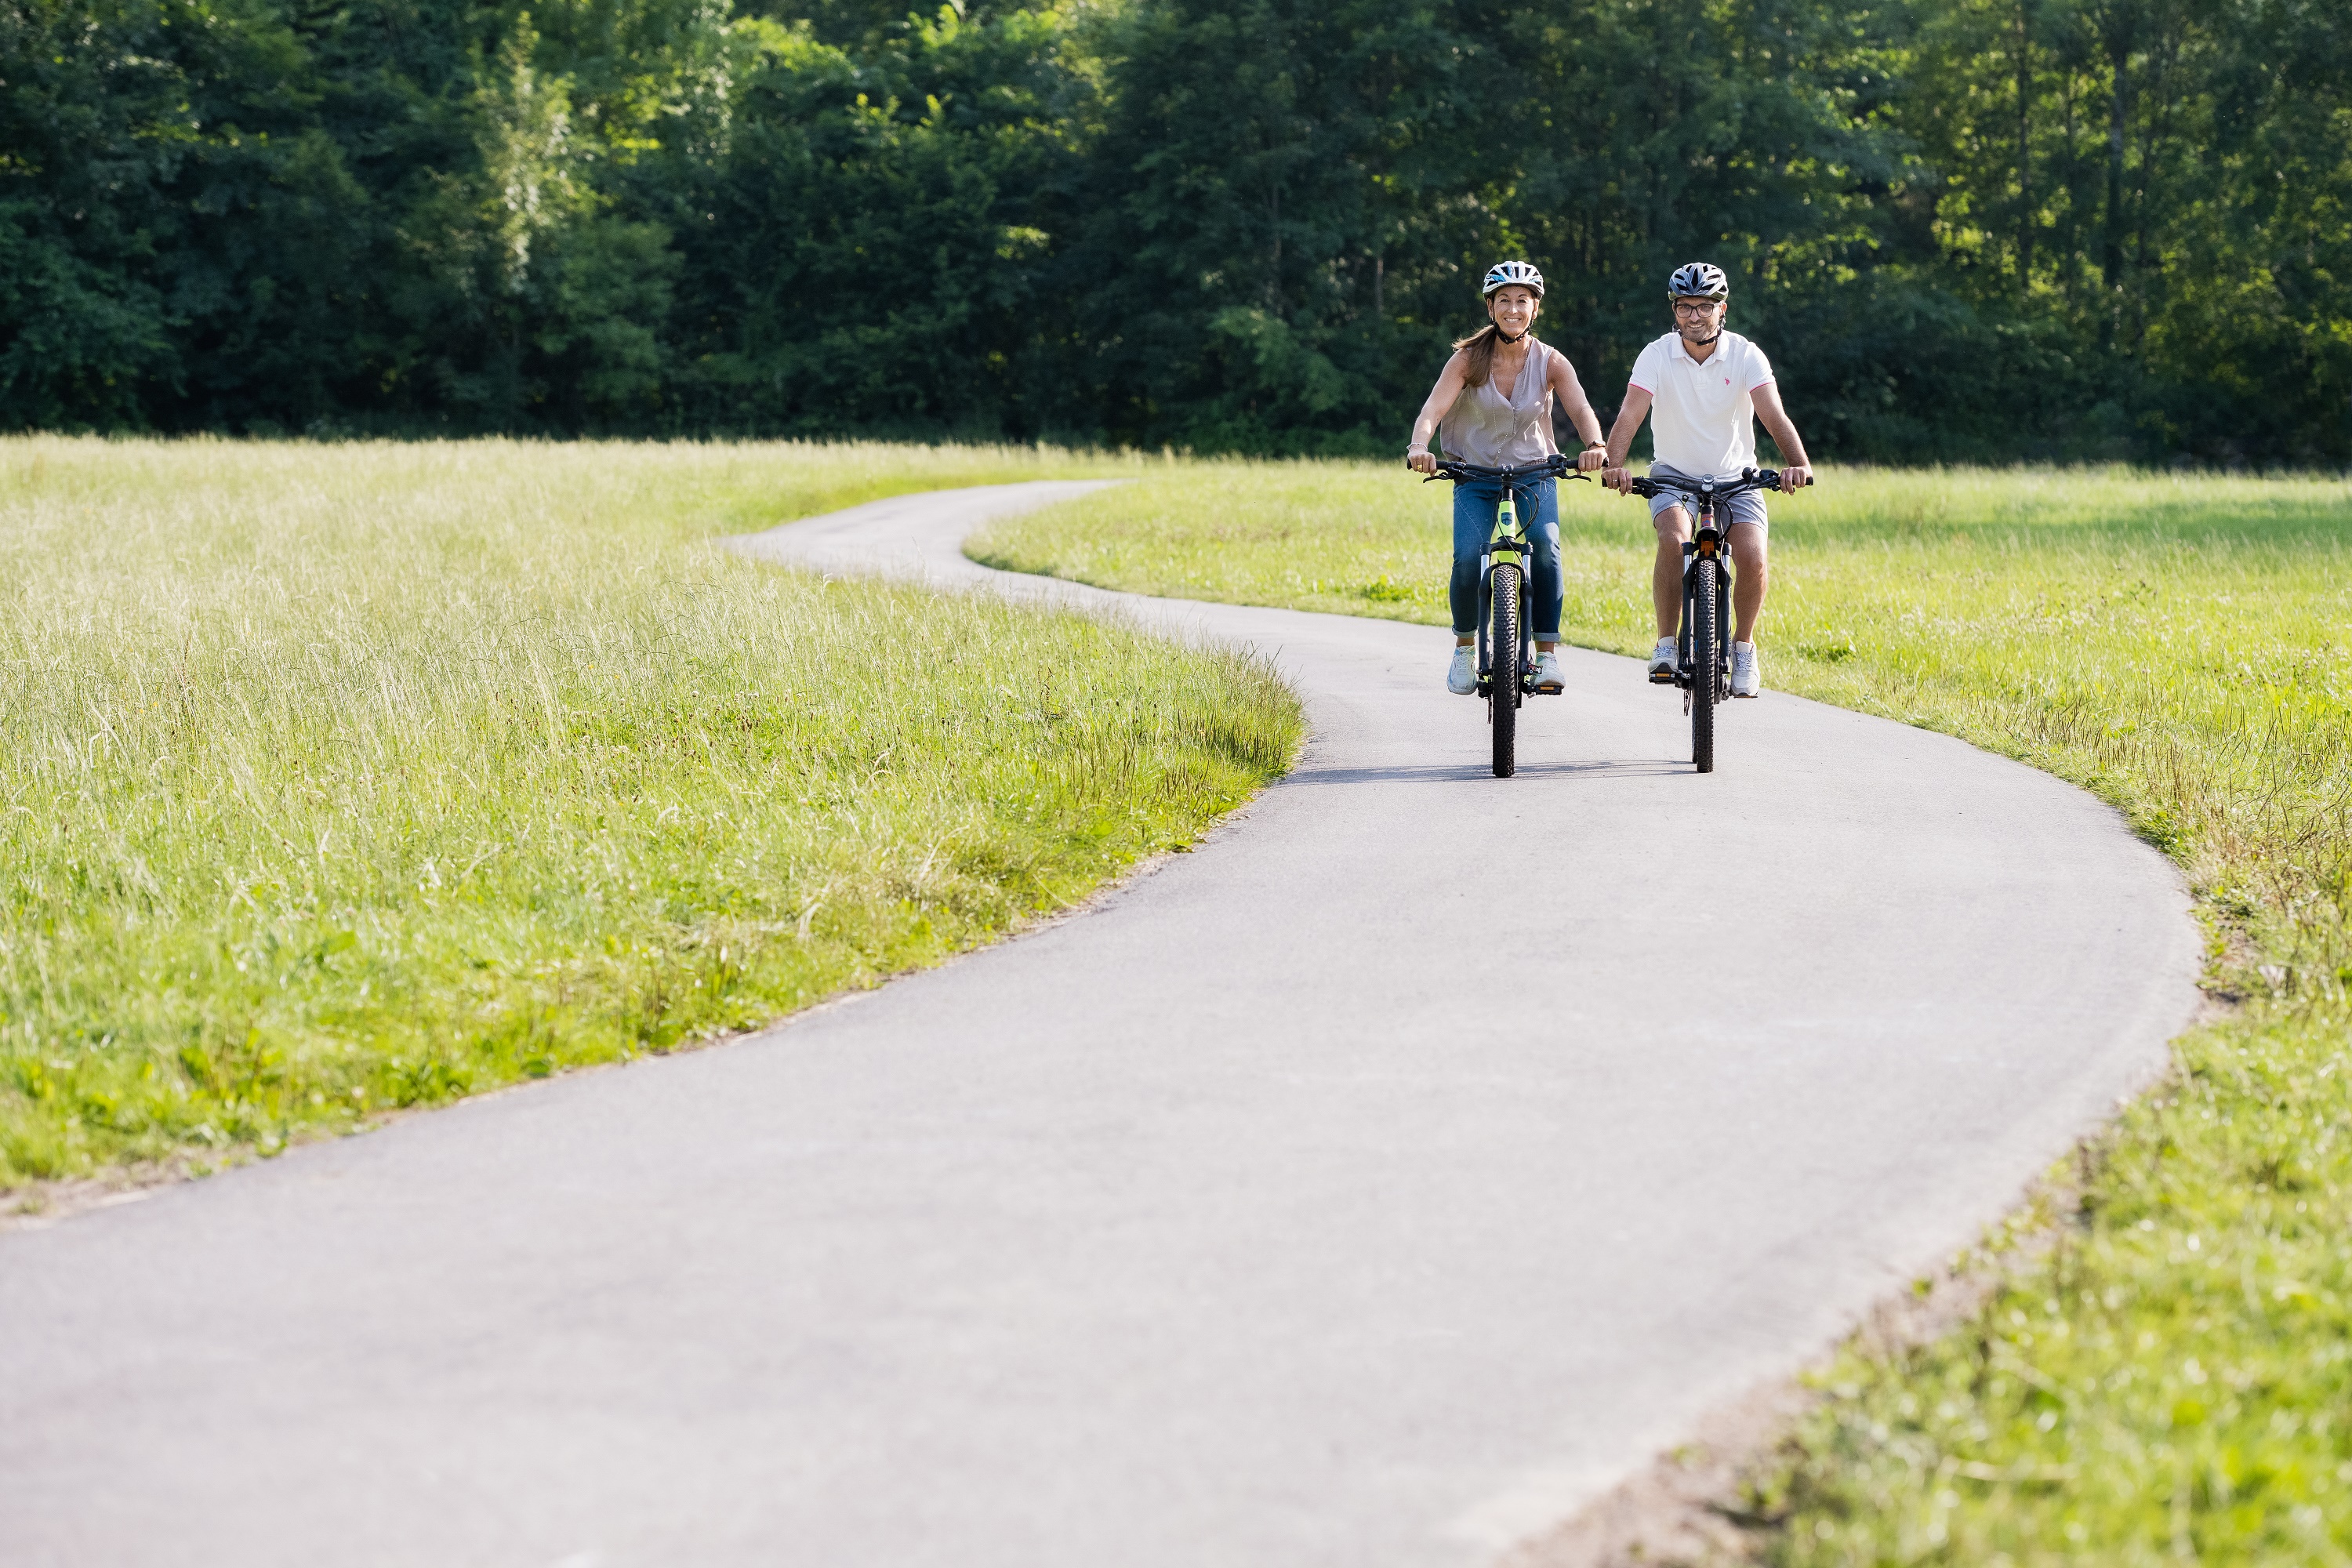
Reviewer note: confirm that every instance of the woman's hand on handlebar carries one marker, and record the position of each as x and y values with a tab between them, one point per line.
1591	457
1420	461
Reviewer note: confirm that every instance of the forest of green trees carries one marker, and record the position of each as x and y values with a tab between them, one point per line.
1963	228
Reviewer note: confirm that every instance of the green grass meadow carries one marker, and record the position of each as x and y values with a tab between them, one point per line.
338	779
2171	1380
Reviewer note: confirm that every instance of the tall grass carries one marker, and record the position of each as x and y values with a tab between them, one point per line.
340	778
2174	1380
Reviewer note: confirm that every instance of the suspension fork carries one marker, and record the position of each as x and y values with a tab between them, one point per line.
1693	564
1485	591
1505	534
1719	562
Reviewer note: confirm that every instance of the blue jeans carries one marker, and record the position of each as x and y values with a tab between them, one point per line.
1474	501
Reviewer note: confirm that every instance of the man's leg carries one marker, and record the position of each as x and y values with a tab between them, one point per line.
1667	578
1751	575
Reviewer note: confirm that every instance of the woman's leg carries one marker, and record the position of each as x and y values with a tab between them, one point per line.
1474	524
1539	504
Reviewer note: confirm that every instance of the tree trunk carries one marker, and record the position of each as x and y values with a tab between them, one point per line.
2024	154
2119	54
1274	280
2070	245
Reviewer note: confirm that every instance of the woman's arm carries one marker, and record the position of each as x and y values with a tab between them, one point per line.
1571	393
1441	400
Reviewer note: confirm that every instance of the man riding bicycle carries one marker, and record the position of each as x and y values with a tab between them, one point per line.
1707	388
1494	398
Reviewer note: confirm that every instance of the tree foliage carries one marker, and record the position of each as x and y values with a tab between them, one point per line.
1963	228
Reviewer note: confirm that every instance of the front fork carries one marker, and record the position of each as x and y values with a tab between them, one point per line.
1487	612
1696	554
1505	541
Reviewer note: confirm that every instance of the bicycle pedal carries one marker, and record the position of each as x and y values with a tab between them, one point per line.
1662	678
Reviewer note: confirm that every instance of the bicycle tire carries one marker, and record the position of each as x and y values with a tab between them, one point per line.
1707	654
1503	689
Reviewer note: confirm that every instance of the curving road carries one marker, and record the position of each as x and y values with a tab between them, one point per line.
1367	1187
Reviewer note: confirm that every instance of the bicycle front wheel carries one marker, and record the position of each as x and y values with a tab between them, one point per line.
1503	689
1706	657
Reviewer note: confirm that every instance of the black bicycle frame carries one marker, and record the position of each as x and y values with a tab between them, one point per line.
1703	548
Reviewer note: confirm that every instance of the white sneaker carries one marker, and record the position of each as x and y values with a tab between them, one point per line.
1747	678
1548	676
1462	680
1663	661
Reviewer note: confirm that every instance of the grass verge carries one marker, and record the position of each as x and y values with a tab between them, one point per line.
2173	1377
340	779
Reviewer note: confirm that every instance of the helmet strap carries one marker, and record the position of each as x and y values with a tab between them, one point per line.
1499	332
1711	337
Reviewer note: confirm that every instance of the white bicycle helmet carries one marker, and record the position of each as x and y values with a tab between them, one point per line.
1503	274
1697	280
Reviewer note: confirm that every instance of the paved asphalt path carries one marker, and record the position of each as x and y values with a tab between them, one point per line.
1367	1187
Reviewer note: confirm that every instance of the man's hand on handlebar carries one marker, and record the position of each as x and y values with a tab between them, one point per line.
1796	476
1618	480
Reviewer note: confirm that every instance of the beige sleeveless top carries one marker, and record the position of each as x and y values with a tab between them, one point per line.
1494	431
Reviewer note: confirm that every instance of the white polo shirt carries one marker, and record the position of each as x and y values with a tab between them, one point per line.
1703	416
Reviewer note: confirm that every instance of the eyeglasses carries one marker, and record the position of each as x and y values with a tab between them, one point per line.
1695	306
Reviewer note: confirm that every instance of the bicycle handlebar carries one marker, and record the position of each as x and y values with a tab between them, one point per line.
1556	466
1560	465
1749	479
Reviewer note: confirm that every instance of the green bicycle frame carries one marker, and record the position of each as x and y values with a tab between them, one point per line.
1507	542
1507	539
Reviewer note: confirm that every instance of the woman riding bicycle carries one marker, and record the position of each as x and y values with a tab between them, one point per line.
1493	407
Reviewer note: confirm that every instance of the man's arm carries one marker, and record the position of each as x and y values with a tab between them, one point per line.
1798	472
1578	409
1630	414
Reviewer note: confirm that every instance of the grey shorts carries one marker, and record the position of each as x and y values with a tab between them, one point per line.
1747	506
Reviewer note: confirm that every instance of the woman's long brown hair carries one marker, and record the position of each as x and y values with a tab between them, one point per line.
1478	360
